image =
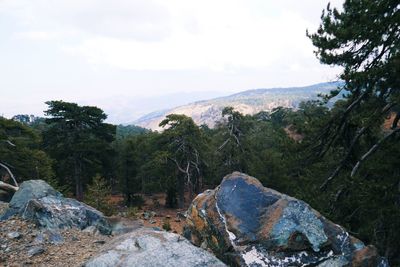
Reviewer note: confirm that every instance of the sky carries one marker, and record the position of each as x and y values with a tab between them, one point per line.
131	57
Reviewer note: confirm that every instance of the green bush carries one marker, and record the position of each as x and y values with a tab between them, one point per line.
97	195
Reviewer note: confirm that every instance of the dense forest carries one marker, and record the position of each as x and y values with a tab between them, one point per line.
343	160
73	150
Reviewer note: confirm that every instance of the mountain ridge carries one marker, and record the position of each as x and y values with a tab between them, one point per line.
247	102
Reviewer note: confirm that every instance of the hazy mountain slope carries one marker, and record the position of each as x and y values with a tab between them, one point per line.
247	102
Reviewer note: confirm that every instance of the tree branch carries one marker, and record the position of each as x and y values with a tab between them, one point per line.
372	150
353	142
8	187
9	172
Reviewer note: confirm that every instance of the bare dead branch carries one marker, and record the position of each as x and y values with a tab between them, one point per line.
353	142
8	187
372	150
8	142
223	144
10	173
177	165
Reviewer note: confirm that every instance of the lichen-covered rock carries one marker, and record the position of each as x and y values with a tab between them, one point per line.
246	224
148	247
39	202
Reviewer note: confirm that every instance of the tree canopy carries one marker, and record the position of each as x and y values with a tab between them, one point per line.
364	39
79	140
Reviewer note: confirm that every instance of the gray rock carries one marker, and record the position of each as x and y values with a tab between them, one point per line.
14	235
74	238
181	215
146	247
39	202
33	189
35	251
147	215
55	238
49	236
91	230
123	226
246	224
39	239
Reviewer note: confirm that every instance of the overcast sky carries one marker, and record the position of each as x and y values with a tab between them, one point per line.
101	52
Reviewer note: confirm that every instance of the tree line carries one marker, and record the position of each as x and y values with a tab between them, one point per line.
74	145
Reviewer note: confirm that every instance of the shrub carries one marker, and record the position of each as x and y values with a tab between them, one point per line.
97	195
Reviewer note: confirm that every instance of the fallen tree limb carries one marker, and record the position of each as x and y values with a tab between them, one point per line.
10	173
8	187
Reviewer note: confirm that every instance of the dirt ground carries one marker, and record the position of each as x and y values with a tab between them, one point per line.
18	250
155	205
18	238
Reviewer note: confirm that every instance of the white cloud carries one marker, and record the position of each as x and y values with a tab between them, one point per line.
35	35
174	35
205	36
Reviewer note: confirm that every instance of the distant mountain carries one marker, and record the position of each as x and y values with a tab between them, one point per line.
247	102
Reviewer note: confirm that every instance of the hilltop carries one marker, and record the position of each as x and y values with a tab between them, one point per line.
247	102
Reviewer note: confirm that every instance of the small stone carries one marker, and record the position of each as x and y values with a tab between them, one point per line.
91	230
35	251
152	221
100	242
181	215
70	253
147	215
14	235
55	238
39	239
177	220
168	216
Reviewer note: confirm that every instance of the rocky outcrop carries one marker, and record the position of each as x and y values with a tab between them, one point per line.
148	247
39	202
246	224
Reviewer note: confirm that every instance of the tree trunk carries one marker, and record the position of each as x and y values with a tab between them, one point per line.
127	190
78	180
181	191
190	188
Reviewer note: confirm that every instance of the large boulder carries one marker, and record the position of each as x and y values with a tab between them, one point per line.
246	224
149	247
39	202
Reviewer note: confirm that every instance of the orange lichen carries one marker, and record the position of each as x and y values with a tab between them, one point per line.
198	222
268	222
365	257
214	240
